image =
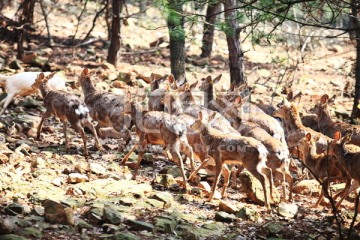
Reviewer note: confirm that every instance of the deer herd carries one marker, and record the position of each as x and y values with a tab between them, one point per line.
226	131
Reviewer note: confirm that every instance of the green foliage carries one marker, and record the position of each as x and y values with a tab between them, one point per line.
177	33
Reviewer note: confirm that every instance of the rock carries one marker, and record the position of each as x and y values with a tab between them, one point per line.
74	203
80	225
77	178
11	237
139	226
7	226
288	210
164	197
125	236
336	48
16	64
111	216
224	217
39	210
274	227
95	214
248	214
14	209
206	188
173	170
106	65
165	180
31	232
119	84
165	224
3	158
55	212
97	168
254	189
29	102
111	228
201	62
227	207
307	187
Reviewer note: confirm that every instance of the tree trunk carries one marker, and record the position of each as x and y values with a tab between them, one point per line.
232	31
208	36
354	18
117	6
177	39
26	16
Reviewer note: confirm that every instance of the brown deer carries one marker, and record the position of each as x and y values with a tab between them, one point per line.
67	107
278	156
106	108
227	148
155	127
324	166
295	129
328	126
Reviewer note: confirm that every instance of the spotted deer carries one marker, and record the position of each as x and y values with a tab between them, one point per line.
227	149
328	126
68	108
106	108
156	127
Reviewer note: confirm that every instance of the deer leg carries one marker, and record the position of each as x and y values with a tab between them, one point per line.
268	172
175	153
93	130
226	174
79	128
202	165
142	146
126	157
189	153
264	182
65	135
44	116
289	179
353	186
218	167
6	101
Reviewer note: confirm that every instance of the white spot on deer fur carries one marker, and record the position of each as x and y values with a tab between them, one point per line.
81	110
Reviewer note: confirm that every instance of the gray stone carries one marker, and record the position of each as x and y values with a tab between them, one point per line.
288	210
274	227
111	216
227	207
31	233
125	236
307	187
224	217
111	228
7	225
55	212
80	225
165	180
165	224
11	237
14	209
164	197
97	168
254	189
140	226
248	214
94	215
74	203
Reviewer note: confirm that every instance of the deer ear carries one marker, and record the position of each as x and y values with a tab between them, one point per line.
85	71
217	79
308	137
237	100
232	87
208	79
192	86
332	99
200	116
324	99
51	75
290	96
337	136
41	76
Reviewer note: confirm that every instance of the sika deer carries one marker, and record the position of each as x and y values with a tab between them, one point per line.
349	159
296	130
155	127
20	85
278	157
106	108
325	167
225	148
67	107
328	126
207	87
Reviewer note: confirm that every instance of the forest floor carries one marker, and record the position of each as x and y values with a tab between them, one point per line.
105	202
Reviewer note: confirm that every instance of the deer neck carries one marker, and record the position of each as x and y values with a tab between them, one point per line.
324	119
88	87
44	89
293	120
209	90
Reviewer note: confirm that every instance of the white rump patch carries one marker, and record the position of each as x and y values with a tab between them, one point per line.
82	110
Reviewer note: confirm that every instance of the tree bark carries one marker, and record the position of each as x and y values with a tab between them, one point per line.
354	18
177	39
208	35
117	6
236	56
26	13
